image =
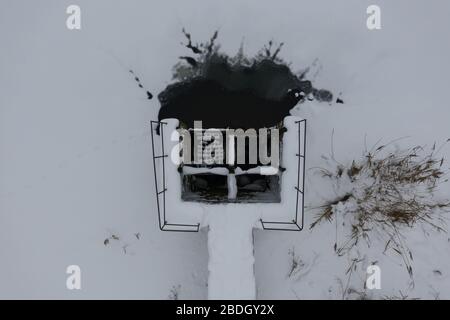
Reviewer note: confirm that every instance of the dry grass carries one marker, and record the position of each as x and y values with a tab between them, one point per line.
400	296
388	191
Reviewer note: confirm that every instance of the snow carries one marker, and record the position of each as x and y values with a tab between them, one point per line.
75	155
230	248
232	186
216	170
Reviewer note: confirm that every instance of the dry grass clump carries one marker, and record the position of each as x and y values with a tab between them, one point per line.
400	296
385	191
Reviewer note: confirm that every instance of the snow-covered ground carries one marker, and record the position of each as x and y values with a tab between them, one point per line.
75	156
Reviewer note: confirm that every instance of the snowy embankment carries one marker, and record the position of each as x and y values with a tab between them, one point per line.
230	225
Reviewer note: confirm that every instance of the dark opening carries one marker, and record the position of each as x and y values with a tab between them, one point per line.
212	188
204	188
258	188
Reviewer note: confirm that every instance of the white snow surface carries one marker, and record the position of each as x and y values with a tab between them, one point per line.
75	155
230	249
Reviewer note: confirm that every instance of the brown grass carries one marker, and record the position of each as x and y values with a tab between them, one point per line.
391	190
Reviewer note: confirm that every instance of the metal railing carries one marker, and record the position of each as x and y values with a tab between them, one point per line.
164	225
294	225
300	188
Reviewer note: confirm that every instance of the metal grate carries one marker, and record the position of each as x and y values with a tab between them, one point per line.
164	225
300	188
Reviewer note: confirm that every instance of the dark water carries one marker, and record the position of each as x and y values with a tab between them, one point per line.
224	94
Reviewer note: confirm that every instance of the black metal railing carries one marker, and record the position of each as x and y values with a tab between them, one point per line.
294	225
300	188
164	225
